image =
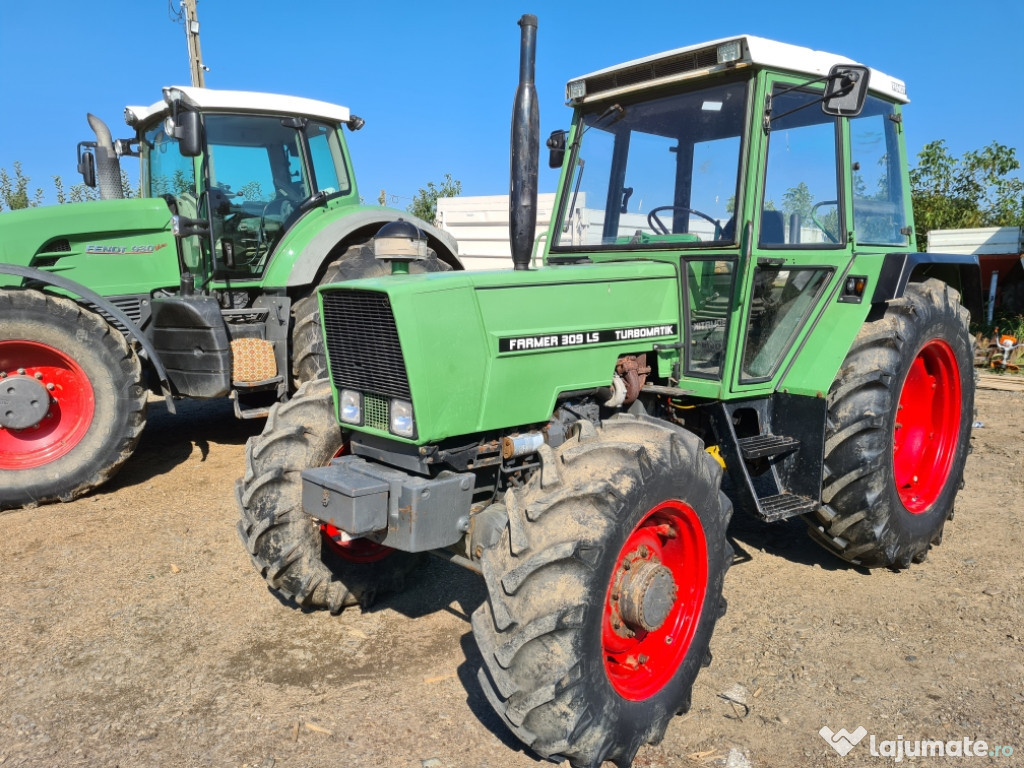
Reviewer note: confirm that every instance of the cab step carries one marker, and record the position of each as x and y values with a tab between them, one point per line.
767	446
783	506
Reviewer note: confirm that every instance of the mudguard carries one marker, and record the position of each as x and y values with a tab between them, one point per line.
48	278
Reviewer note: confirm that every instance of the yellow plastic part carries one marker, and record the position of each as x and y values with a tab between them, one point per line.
716	455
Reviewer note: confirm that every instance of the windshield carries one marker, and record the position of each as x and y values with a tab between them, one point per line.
655	173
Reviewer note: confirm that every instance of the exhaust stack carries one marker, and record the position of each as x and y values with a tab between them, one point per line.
522	199
108	167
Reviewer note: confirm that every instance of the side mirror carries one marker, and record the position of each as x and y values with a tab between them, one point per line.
556	147
845	91
189	132
87	163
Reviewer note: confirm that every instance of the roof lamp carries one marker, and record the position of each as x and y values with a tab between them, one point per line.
576	89
728	52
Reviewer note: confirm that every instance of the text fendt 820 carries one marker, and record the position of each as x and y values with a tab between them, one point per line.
728	281
202	287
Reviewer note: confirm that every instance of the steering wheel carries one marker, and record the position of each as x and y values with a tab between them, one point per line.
282	205
659	228
818	224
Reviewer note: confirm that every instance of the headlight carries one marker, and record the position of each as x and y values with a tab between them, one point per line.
402	422
350	406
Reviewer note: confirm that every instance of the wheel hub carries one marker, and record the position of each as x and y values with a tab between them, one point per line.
24	402
648	594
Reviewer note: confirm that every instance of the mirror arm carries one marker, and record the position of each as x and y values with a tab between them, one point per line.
769	117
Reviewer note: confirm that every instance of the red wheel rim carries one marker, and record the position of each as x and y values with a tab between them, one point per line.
70	411
353	550
927	426
668	542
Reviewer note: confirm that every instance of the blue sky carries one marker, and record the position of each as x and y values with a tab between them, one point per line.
435	81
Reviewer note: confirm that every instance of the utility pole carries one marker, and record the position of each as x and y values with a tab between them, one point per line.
195	53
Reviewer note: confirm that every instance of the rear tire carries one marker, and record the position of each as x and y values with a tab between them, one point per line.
309	360
287	546
898	432
622	532
75	406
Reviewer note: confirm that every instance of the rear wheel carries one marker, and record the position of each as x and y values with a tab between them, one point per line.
309	360
72	406
313	565
898	432
604	590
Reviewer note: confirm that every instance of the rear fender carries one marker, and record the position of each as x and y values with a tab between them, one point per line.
960	271
93	298
313	257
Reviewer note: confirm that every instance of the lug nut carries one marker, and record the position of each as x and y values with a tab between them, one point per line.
50	386
21	371
39	375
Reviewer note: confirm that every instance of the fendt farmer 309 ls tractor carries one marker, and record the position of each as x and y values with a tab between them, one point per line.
203	287
740	285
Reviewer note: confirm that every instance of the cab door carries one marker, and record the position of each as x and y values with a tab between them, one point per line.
800	245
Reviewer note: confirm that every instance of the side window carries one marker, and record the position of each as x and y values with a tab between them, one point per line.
779	305
801	197
328	161
879	210
169	172
709	287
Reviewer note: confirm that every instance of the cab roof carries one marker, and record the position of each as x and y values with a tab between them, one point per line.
700	59
213	100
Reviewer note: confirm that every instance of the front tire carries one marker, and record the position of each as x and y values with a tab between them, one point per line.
604	590
898	431
291	550
309	360
73	404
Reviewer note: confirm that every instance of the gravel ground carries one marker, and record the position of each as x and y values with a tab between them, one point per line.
135	632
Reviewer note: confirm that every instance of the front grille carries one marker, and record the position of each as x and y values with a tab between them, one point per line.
363	345
653	70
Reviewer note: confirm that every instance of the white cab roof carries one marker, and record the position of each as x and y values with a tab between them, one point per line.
213	100
775	55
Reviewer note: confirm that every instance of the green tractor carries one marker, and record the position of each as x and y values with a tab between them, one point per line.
728	282
202	287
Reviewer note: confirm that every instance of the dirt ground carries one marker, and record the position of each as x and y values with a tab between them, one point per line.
135	632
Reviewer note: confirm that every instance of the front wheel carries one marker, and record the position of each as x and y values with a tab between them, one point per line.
304	561
604	590
898	431
72	407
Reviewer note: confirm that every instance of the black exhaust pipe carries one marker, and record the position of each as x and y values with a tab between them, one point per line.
522	199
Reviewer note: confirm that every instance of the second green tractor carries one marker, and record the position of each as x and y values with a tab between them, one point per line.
728	282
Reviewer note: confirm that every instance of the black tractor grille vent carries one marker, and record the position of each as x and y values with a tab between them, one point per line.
653	70
60	245
362	342
131	306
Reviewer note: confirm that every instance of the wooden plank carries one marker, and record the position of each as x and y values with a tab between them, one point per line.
1007	382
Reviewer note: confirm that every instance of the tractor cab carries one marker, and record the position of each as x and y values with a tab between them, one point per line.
238	169
763	168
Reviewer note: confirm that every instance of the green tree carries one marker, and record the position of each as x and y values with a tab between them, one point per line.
798	199
14	192
980	189
424	205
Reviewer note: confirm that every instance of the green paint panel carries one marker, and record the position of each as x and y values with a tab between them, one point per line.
116	246
451	327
